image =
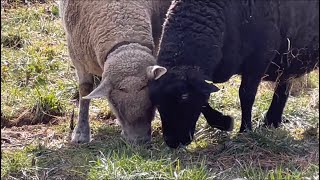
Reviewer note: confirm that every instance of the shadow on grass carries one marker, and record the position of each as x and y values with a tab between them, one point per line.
252	154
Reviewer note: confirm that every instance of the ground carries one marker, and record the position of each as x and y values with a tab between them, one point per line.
38	102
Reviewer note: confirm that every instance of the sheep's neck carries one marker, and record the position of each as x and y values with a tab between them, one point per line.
193	34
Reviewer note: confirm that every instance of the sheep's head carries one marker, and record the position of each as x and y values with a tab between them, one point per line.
179	97
124	83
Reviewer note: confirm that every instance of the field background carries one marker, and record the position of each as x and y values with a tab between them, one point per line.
38	98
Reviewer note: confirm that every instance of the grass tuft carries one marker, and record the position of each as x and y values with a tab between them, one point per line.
47	105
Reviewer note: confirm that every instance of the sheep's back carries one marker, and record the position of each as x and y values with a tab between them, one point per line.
94	27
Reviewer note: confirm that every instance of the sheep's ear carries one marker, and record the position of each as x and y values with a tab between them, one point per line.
211	87
98	92
155	72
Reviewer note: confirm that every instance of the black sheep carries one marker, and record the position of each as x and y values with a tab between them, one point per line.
215	39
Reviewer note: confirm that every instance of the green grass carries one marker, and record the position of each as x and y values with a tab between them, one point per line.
38	83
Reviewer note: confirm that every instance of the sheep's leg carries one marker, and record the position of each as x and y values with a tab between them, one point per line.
255	66
280	97
81	134
216	119
247	92
250	80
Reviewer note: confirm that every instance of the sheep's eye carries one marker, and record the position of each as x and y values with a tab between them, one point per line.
122	89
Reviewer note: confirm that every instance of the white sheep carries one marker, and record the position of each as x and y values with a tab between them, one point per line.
116	40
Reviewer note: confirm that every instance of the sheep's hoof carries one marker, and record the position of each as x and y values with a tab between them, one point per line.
80	137
245	129
227	123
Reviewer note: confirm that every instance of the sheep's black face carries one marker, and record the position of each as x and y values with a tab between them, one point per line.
179	103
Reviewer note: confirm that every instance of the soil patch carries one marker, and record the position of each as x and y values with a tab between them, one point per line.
28	117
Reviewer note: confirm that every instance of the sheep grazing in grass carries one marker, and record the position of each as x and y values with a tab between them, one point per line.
216	39
117	41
